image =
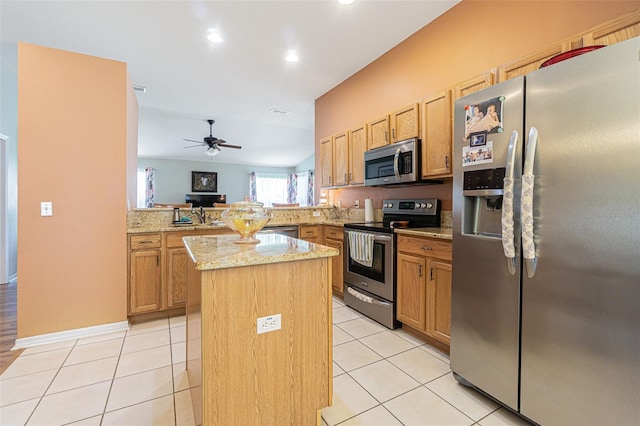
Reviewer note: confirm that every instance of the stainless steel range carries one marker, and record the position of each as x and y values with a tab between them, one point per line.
370	286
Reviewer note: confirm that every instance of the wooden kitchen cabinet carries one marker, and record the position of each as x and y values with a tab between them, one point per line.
378	132
614	31
333	237
158	264
531	62
405	123
309	233
357	147
326	162
341	159
145	273
397	126
177	262
475	84
412	291
437	136
424	285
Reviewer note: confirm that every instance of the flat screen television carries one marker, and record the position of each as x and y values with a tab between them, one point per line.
205	200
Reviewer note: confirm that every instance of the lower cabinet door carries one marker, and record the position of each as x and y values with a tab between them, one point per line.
145	289
177	264
337	274
411	291
439	301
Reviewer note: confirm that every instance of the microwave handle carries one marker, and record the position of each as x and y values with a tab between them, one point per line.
396	170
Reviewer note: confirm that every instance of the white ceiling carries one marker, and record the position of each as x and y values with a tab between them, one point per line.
238	82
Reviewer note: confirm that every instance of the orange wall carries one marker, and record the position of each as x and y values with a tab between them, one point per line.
132	146
72	147
471	38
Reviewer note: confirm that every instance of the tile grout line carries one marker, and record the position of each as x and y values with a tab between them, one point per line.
113	379
50	383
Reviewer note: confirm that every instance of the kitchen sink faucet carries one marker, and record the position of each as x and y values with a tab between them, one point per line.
202	216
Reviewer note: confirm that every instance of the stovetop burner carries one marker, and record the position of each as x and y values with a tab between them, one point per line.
417	213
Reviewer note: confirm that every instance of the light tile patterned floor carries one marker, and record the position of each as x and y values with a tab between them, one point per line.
381	377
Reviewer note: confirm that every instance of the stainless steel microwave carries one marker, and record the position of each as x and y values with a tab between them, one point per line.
393	164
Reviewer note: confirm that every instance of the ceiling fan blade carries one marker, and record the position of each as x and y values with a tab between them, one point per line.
220	141
193	146
230	146
191	140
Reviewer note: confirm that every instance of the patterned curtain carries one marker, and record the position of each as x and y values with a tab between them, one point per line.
310	197
292	188
253	194
150	190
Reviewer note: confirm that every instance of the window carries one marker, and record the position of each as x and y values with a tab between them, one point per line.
268	188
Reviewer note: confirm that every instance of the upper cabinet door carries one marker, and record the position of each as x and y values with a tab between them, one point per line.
437	135
475	84
378	132
341	159
357	147
326	162
531	62
405	123
614	31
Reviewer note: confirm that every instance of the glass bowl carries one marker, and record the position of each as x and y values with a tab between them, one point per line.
246	218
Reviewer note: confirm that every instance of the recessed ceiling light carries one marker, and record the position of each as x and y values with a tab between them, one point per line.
292	56
139	88
346	1
214	37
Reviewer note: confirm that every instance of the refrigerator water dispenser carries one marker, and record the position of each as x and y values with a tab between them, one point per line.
482	211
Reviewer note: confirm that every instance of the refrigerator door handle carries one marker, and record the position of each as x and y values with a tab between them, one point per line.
528	244
507	207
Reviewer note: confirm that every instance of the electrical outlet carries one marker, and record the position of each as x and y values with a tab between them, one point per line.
46	208
270	323
357	204
316	214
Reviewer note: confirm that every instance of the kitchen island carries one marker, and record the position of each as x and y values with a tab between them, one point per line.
239	372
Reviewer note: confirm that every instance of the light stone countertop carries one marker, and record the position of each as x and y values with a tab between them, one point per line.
220	251
442	233
222	226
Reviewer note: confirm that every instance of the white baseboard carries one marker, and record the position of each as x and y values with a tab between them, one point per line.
45	339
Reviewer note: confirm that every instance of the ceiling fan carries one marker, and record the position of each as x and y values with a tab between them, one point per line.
212	143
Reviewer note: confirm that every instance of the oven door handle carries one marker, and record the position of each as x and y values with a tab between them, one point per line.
376	237
365	298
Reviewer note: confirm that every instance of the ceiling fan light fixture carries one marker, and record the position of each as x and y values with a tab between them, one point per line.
292	56
214	37
212	151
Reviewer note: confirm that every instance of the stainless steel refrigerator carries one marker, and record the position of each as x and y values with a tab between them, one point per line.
546	240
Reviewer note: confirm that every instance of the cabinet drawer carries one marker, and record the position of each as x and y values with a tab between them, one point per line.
334	232
145	241
174	239
308	231
425	247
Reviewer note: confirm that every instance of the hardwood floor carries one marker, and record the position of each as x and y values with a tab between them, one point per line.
8	324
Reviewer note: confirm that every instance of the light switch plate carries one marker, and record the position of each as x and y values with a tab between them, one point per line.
270	323
46	208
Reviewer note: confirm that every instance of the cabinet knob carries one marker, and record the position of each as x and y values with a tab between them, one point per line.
426	248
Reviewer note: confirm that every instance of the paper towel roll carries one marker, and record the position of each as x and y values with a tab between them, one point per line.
368	210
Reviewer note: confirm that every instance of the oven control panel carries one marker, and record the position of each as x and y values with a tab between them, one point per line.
423	206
